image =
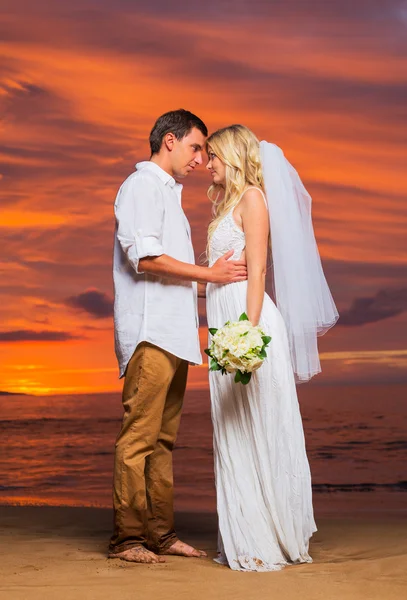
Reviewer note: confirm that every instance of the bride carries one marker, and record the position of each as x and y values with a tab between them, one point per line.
262	474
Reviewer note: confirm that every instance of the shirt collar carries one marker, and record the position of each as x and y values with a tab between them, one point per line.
163	175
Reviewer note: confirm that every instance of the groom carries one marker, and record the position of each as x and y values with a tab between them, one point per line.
156	334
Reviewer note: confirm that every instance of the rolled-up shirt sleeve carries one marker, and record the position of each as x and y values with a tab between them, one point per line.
139	211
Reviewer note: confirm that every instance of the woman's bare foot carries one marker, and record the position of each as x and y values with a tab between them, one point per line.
182	549
137	554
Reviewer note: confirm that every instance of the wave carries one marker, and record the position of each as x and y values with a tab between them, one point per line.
398	486
36	420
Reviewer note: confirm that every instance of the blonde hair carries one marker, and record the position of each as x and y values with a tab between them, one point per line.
239	150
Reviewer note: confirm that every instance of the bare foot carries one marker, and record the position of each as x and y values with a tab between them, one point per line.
137	554
182	549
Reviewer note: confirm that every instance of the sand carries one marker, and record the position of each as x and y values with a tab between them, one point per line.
60	554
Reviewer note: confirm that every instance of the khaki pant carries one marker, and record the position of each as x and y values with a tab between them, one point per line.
153	393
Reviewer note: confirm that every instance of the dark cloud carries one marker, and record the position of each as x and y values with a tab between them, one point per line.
356	279
385	304
28	335
358	270
95	303
230	10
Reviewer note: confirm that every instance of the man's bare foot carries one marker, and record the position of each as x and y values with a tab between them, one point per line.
182	549
137	554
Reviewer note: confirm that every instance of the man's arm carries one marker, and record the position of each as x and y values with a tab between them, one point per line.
139	212
223	271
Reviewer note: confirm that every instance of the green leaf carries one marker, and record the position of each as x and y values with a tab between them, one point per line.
238	376
212	330
214	365
263	353
245	378
266	339
207	351
243	334
243	317
225	352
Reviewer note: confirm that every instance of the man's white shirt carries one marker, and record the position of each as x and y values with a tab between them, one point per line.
150	221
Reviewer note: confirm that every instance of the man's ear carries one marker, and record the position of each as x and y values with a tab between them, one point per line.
169	141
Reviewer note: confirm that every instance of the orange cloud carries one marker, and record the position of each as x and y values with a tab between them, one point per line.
79	101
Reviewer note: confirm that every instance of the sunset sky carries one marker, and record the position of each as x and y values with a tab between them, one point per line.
81	84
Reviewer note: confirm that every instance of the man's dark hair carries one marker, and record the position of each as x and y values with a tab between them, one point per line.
179	122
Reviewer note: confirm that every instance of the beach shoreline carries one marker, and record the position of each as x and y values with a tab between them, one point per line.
60	553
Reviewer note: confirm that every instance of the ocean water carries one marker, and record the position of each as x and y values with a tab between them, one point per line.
59	450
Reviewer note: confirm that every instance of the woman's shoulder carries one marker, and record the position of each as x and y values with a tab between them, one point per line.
252	197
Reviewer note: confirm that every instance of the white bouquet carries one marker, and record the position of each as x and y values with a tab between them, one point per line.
238	347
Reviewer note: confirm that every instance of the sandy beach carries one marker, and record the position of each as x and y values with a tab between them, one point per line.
60	553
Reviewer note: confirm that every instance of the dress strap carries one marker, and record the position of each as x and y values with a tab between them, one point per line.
253	187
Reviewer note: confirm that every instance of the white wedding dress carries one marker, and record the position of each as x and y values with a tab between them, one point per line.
262	474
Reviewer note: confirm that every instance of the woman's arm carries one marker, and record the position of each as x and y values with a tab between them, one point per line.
255	223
